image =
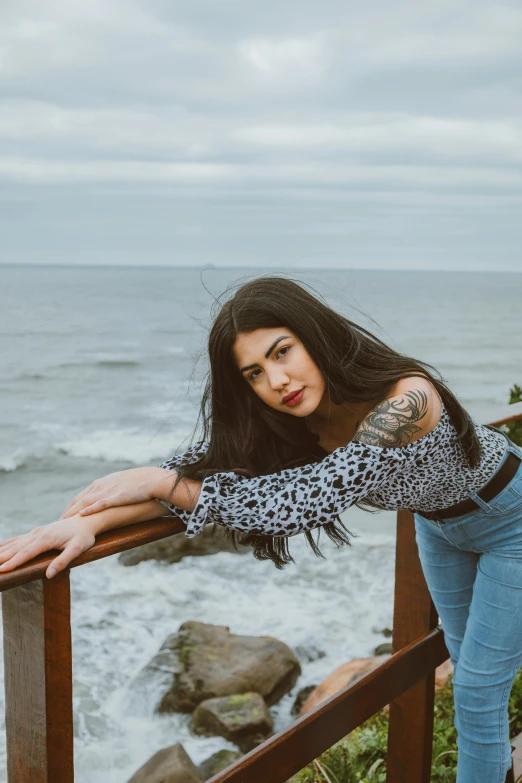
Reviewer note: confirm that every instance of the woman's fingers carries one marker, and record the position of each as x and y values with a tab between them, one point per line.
14	546
71	551
8	541
8	544
24	554
99	505
74	509
72	538
75	500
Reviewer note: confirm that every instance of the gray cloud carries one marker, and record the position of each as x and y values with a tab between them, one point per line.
379	135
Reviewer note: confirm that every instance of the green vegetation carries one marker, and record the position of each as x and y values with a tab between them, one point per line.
360	757
514	429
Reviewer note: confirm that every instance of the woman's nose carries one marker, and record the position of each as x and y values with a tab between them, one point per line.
278	380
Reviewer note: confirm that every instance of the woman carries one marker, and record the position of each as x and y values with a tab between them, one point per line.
305	414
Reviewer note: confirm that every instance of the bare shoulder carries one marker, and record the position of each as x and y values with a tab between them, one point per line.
411	410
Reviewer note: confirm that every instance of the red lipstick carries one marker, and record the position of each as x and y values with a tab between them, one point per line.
293	398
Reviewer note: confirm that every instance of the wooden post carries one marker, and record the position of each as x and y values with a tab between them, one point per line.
410	729
38	681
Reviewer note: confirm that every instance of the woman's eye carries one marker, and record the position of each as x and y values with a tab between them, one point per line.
284	348
252	375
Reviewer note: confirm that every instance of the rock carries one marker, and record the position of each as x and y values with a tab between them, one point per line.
309	653
175	548
342	676
301	697
352	671
383	648
168	765
242	719
386	632
442	674
206	661
217	763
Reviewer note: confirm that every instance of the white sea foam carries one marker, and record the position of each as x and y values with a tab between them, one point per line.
11	462
129	445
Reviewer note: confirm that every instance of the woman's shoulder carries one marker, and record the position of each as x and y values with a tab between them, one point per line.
411	410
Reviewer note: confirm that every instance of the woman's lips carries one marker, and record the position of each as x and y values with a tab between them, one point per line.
295	399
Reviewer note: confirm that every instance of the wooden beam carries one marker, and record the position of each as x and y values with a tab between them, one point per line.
410	728
38	681
504	415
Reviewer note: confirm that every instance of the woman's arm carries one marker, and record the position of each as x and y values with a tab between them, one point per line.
73	535
136	485
119	516
296	500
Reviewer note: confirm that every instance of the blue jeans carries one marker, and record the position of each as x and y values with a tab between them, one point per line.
473	568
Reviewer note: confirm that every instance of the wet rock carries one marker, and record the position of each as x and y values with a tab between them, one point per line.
217	763
300	698
309	653
386	632
343	676
442	674
242	719
175	548
168	765
354	670
206	661
382	649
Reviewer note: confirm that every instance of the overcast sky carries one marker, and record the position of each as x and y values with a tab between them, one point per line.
257	133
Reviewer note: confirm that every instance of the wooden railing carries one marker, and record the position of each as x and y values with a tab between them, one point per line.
38	671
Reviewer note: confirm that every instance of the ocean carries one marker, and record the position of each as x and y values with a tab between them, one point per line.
101	370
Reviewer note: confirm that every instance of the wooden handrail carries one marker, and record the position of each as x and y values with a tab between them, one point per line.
38	668
505	415
109	543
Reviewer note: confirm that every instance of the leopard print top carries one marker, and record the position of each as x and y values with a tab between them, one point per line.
428	474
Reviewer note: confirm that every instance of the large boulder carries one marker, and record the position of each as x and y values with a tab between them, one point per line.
381	649
175	548
354	670
204	661
242	719
217	763
168	765
442	674
343	676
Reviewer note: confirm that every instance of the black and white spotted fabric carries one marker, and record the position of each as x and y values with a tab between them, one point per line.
429	474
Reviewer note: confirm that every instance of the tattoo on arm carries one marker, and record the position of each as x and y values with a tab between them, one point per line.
392	422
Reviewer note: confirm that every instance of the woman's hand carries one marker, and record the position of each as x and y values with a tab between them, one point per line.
73	536
124	488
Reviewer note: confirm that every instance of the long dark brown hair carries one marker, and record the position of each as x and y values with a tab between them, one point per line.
244	434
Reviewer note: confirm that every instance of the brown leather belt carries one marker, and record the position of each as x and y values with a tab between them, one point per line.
490	490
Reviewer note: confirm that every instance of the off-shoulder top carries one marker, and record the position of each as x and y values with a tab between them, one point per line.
428	474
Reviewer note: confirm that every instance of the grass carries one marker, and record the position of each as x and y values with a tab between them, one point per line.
360	757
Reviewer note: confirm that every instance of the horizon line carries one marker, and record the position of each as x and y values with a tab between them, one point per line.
215	267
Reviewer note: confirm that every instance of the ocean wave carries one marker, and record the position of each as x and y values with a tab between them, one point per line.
29	376
11	462
105	362
118	363
130	446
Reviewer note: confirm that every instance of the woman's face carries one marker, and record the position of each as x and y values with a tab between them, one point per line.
275	363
